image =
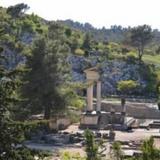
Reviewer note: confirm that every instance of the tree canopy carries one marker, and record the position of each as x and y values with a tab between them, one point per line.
49	71
126	86
140	37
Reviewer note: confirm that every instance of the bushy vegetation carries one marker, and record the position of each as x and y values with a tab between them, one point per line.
12	133
35	76
126	86
148	150
71	156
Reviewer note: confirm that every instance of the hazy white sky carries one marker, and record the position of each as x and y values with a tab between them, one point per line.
97	12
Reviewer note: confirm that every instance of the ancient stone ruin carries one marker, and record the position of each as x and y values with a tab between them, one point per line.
94	117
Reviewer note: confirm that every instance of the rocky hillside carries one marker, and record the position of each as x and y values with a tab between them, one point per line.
85	51
113	71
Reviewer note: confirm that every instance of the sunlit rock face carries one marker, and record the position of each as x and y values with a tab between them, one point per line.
112	71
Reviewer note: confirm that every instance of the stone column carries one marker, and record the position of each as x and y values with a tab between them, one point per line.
99	96
123	103
90	98
124	109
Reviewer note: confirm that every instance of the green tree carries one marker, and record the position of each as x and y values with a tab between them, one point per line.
91	147
87	43
149	152
94	150
117	152
68	32
12	133
126	87
49	72
140	37
17	10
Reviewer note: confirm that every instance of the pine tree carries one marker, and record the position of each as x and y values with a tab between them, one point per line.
11	132
87	44
49	72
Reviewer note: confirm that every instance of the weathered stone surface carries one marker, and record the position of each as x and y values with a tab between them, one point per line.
112	71
56	139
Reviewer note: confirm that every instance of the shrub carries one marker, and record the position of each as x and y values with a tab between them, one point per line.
71	156
117	151
131	57
126	86
78	103
149	74
79	52
73	116
91	147
33	127
125	50
114	47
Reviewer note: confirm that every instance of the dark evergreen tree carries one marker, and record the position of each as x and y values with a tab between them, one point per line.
12	132
17	10
48	74
87	44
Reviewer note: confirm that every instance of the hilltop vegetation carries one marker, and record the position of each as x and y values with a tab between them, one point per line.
64	49
87	47
116	33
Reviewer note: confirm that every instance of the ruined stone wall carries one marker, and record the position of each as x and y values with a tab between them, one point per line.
141	111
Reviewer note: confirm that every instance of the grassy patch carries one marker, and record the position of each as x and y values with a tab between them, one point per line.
152	59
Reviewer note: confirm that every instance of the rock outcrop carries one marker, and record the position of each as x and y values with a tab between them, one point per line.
112	71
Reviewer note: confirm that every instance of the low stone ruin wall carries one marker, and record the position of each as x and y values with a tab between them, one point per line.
136	110
59	124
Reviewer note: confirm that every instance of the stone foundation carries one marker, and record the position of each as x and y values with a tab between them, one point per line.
89	120
105	120
95	118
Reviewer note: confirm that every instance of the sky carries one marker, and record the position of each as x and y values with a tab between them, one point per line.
97	12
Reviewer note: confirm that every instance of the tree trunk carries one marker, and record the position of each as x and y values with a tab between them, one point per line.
123	101
140	57
140	53
47	112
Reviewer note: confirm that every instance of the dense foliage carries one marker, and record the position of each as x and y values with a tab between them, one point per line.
45	47
12	133
24	32
127	86
35	74
140	37
48	73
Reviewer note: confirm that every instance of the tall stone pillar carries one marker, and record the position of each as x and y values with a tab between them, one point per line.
98	95
90	98
124	109
123	103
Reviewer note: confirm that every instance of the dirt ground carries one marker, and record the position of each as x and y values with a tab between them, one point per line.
136	135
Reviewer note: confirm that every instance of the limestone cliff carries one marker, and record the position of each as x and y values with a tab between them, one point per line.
112	71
